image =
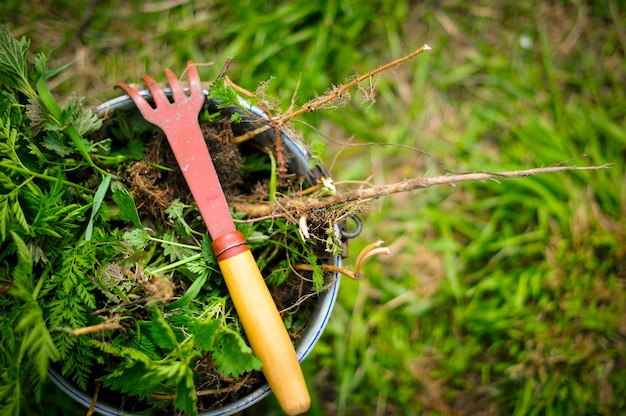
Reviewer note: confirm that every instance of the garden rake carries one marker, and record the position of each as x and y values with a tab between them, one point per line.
255	307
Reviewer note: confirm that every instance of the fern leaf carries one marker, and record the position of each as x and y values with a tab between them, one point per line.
37	342
10	396
128	353
22	273
4	215
18	215
318	271
78	362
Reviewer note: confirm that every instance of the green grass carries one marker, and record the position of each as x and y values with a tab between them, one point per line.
498	298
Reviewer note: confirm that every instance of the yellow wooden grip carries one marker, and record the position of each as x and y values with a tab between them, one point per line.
266	332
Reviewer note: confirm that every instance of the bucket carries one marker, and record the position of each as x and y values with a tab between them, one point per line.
298	160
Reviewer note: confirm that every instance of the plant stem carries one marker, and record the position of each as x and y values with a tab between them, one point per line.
333	95
50	178
174	265
339	91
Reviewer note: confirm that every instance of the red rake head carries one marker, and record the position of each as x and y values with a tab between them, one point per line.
169	115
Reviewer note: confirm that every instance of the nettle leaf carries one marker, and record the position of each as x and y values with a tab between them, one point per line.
175	251
137	238
186	398
54	142
207	251
74	114
37	115
40	67
134	378
232	356
13	70
176	213
87	122
205	333
161	332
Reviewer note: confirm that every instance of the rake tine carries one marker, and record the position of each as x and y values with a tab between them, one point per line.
177	91
160	100
195	85
144	107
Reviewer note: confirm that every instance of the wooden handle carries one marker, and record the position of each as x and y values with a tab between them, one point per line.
264	328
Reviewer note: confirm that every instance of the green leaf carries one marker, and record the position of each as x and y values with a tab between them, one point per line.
199	267
176	212
22	273
126	203
37	342
129	353
55	111
172	248
97	201
86	122
134	378
236	118
161	332
137	238
318	147
42	66
222	92
13	71
205	333
190	294
4	216
10	395
207	251
19	216
232	356
186	398
54	142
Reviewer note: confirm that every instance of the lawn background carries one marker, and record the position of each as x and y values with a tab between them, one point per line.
499	297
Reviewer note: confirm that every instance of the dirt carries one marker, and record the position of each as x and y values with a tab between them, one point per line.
155	188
